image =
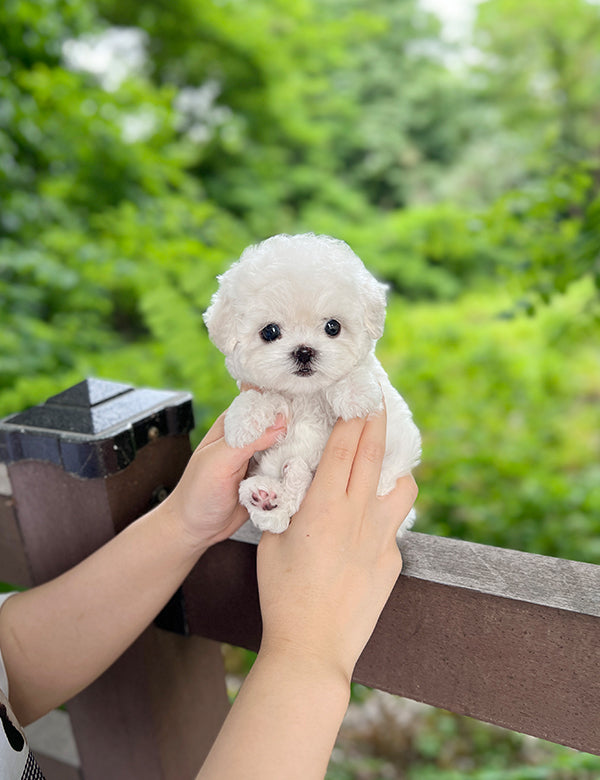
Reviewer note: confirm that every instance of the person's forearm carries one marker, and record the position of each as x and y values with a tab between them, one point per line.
283	723
57	638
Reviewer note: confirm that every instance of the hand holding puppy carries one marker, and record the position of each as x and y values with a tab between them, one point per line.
324	582
205	504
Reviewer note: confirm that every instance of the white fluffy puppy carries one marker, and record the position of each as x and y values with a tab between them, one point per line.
298	317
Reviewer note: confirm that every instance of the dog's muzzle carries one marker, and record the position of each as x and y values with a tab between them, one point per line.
303	357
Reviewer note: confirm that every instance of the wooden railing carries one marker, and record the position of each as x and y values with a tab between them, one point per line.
503	636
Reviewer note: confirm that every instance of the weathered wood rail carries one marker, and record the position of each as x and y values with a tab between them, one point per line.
503	636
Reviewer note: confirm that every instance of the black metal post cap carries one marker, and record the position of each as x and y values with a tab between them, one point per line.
94	428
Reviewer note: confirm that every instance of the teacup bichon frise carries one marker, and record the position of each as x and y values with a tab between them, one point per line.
298	317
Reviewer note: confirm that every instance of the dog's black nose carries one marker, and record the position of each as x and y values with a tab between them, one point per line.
304	355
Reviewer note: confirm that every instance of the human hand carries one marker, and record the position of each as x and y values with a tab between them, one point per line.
324	581
204	505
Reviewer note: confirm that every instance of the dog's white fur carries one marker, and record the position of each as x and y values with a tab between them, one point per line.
300	283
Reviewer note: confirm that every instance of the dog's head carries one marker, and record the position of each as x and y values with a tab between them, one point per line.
296	313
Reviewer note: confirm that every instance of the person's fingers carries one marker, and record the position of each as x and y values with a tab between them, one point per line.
335	466
216	431
397	503
366	469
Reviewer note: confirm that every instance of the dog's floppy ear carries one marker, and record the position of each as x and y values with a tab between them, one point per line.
220	318
373	300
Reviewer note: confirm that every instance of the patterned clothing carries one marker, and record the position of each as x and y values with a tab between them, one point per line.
32	770
16	760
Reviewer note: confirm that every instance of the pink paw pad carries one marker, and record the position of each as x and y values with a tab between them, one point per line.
264	499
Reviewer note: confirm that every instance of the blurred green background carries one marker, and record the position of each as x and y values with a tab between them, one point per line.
143	145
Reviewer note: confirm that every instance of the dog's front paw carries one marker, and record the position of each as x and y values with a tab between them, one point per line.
358	395
275	521
249	416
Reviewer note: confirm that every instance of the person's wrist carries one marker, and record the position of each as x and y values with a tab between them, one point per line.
305	672
171	519
309	661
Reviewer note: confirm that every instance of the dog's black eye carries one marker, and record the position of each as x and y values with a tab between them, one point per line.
332	328
270	332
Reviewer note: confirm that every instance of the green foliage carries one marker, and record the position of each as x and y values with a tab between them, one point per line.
473	191
311	90
509	414
123	298
549	232
33	32
406	740
94	222
542	66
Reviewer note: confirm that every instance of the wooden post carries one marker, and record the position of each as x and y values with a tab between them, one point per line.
73	472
